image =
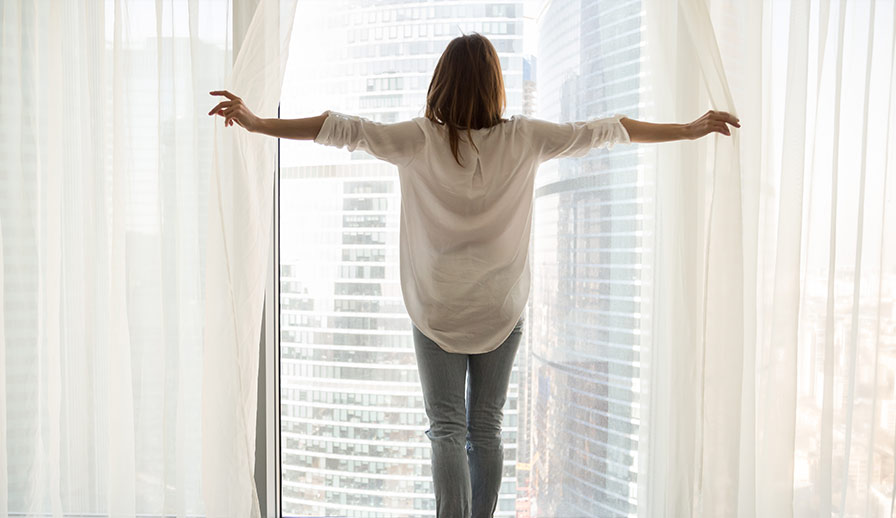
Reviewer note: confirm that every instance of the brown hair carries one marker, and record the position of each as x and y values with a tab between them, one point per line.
467	88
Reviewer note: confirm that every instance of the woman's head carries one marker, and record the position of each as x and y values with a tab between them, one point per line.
467	88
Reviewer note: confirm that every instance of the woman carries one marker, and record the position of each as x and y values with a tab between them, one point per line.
467	179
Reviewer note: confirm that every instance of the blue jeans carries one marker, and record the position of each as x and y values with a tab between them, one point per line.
467	452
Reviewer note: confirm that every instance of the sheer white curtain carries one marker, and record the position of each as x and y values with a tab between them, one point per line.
240	218
774	342
133	243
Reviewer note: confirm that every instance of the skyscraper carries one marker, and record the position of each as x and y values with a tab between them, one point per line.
529	85
352	409
588	299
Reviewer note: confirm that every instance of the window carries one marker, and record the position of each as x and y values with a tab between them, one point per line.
572	414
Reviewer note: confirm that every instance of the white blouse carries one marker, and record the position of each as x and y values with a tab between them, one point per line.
464	233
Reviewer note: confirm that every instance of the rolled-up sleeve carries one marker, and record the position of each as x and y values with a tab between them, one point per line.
396	143
575	139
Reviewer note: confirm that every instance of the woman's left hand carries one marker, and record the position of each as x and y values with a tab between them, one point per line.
234	110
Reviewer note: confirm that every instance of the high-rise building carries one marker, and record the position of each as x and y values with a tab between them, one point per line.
529	85
353	419
588	299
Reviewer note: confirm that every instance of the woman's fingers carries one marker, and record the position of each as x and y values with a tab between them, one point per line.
233	110
713	121
725	116
225	93
710	126
730	119
226	109
222	104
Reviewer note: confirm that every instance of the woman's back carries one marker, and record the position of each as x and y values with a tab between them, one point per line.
465	224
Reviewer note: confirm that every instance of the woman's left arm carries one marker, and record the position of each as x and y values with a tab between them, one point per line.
640	131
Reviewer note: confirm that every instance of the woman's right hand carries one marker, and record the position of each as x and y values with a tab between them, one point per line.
234	110
711	121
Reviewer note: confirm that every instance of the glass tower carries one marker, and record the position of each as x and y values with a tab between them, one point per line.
588	279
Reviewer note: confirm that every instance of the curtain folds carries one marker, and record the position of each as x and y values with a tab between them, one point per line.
123	390
771	386
239	229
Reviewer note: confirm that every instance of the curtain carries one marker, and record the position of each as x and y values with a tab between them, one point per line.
240	219
771	384
131	231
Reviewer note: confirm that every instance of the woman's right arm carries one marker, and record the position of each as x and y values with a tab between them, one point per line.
235	111
711	121
575	139
397	143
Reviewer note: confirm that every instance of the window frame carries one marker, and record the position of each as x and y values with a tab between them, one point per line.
267	421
